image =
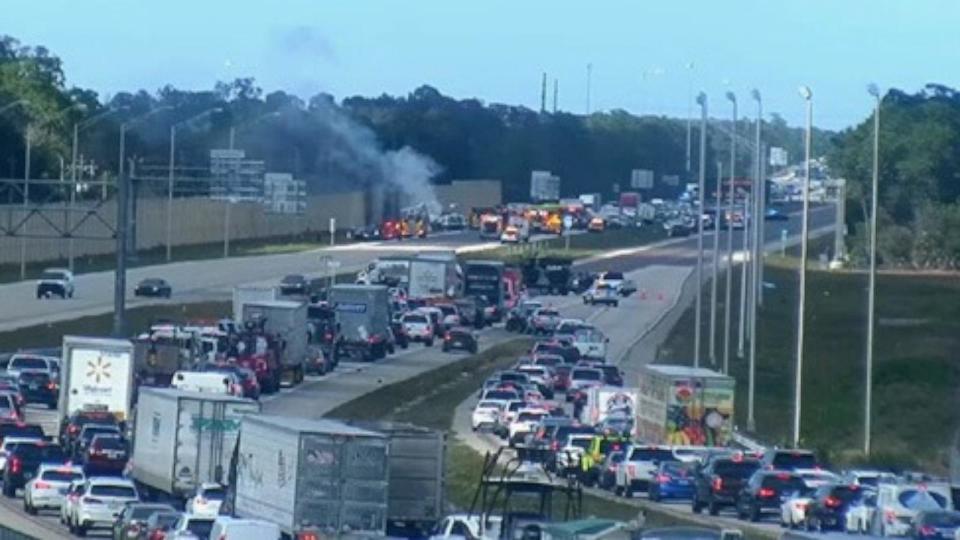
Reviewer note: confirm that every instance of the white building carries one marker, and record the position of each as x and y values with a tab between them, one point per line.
282	194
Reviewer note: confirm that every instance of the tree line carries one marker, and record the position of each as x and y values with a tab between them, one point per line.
467	138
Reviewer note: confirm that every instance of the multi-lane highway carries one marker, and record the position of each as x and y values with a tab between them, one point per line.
661	268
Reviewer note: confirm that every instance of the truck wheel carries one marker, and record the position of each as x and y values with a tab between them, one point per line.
429	342
696	506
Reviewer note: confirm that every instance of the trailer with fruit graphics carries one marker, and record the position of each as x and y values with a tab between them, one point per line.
681	405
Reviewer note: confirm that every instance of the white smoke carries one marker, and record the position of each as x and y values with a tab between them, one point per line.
356	152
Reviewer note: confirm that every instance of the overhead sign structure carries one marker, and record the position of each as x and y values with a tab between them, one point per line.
778	156
641	179
671	180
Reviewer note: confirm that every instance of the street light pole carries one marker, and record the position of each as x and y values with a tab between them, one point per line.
757	260
871	296
716	266
173	143
26	202
798	383
702	101
730	198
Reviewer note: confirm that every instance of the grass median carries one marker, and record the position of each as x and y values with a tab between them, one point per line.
581	246
915	370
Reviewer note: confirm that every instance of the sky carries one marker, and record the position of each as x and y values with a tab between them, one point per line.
647	57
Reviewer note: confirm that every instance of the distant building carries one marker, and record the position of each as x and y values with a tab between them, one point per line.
236	178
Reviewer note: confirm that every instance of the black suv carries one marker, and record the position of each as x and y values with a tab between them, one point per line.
718	482
763	492
37	386
24	459
828	507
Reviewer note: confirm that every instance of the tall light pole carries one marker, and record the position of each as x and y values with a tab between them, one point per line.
702	101
170	169
689	118
716	266
802	304
757	261
730	197
871	295
74	151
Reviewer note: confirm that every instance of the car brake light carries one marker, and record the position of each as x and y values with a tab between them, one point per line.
631	470
41	485
663	479
73	429
766	493
51	385
91	500
447	337
832	502
15	465
717	483
927	530
783	476
889	516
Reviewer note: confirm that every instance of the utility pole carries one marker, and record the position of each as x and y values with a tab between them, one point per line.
716	265
802	304
702	101
589	82
543	93
26	202
730	198
757	261
872	293
170	166
556	90
73	192
120	273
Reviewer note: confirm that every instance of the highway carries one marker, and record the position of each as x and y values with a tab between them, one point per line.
661	268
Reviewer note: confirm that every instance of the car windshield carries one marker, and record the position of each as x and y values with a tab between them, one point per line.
530	417
28	362
65	476
52	275
200	527
144	512
676	468
125	492
89	432
783	482
448	310
580	442
34	377
612	275
500	394
588	335
214	493
921	499
292	279
151	282
652	454
417	319
735	469
109	443
794	460
586	374
489	405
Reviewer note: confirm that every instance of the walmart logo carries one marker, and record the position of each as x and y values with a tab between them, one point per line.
98	370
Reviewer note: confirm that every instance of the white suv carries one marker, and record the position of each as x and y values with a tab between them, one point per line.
100	502
899	504
417	326
55	282
48	489
206	500
640	463
486	413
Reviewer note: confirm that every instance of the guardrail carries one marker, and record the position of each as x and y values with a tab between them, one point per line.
6	533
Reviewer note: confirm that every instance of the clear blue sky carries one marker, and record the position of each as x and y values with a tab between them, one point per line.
496	50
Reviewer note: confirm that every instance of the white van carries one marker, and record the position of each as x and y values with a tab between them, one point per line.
228	528
214	382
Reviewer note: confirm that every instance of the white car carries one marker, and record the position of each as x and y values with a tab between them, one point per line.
70	499
25	361
417	327
206	500
509	412
49	487
860	513
539	375
816	478
639	465
899	504
867	477
191	527
568	456
486	413
459	526
582	378
100	502
612	280
213	382
55	282
591	343
244	529
526	422
793	509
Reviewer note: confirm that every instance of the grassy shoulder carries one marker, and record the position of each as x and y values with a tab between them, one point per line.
915	370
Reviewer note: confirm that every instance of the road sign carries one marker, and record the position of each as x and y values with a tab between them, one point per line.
641	179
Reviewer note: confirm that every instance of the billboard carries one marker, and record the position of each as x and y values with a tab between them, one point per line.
641	179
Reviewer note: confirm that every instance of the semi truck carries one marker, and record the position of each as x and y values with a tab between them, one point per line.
485	278
156	360
183	439
363	321
286	323
681	405
415	497
96	374
311	476
629	204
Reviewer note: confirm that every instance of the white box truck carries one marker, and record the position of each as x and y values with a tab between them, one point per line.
433	278
251	293
311	475
682	405
607	402
183	439
96	374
